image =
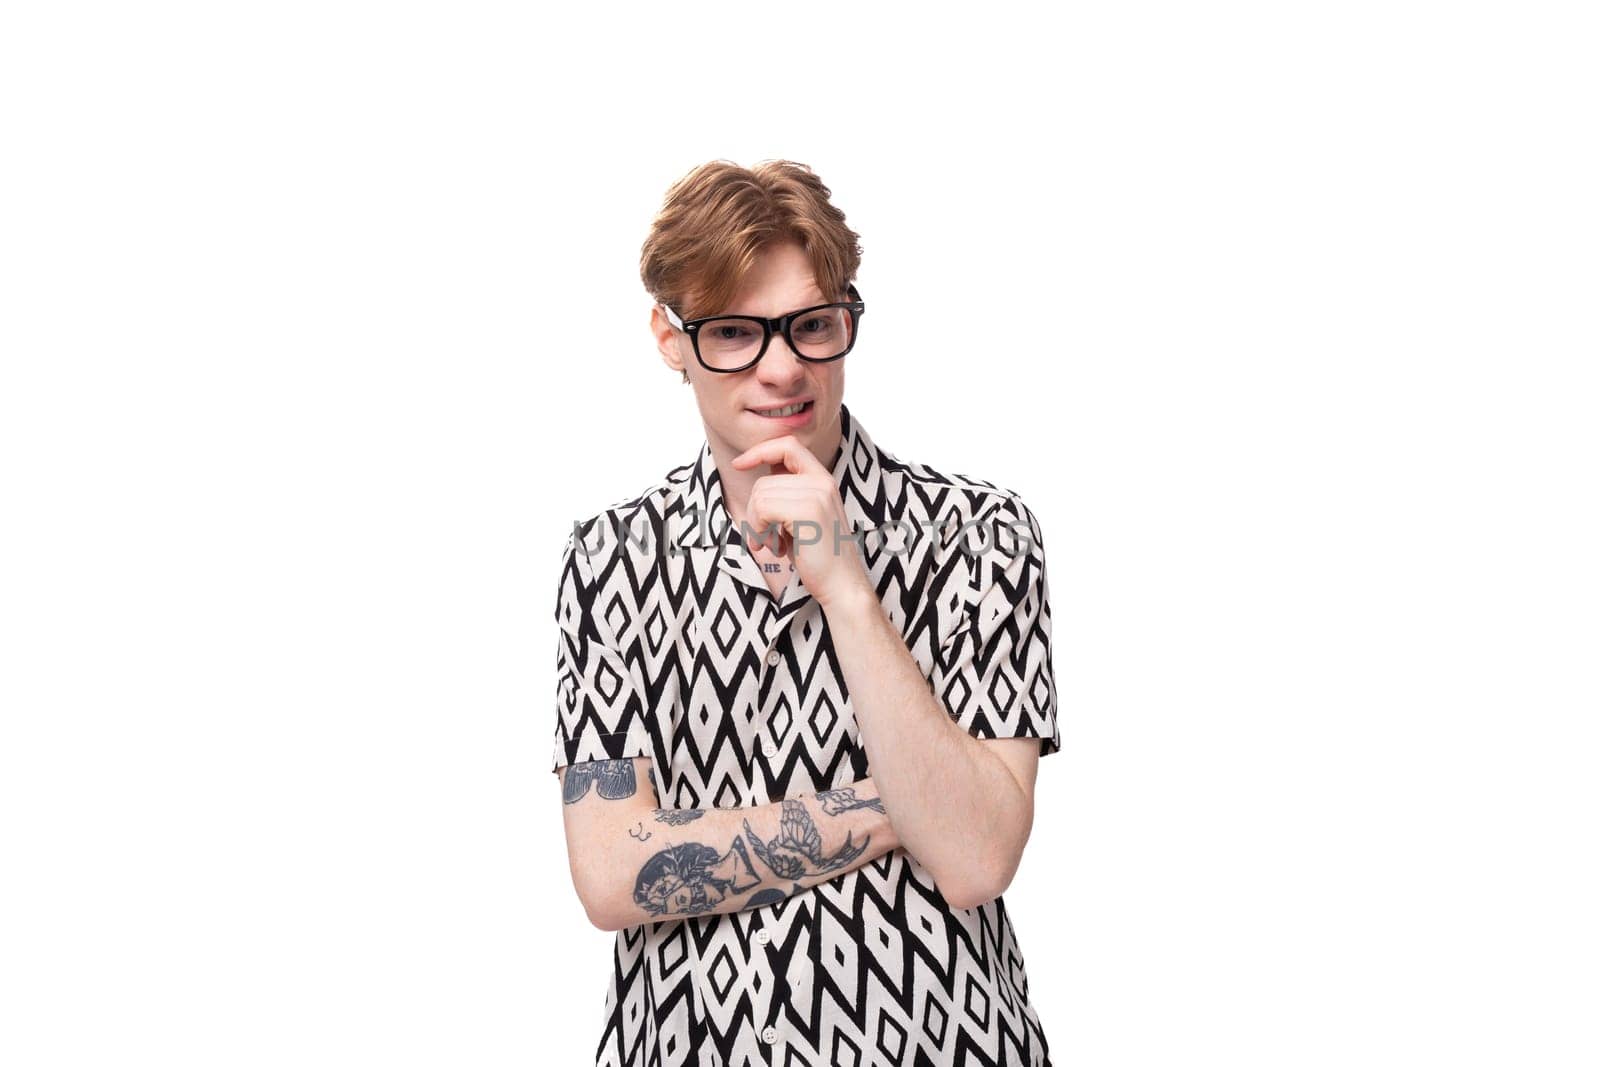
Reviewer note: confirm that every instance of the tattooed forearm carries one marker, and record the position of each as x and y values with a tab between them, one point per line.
739	858
691	878
770	896
839	801
614	780
678	816
797	850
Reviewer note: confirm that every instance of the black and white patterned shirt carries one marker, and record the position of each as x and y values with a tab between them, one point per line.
672	646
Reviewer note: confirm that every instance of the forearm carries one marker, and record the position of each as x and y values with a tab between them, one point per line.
955	805
673	863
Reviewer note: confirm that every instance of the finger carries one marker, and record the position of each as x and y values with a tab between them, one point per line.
766	529
784	453
803	501
784	483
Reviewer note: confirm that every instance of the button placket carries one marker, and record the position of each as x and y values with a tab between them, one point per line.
768	744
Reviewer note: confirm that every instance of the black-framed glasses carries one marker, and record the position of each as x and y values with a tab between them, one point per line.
819	334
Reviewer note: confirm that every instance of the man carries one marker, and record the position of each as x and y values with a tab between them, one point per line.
803	687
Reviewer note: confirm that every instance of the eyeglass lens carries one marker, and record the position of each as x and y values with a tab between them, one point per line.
733	342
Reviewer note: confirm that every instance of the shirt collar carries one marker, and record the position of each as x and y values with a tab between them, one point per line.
857	471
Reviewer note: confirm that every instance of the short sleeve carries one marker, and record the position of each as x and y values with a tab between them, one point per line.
994	671
600	711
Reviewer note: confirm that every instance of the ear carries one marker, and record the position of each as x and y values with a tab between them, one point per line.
669	341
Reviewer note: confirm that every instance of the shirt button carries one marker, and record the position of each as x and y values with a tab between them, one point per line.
773	657
770	1034
763	938
769	747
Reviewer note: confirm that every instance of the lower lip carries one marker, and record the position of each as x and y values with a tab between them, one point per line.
799	418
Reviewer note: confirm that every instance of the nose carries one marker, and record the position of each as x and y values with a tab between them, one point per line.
780	364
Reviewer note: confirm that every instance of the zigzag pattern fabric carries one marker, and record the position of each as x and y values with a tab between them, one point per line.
672	646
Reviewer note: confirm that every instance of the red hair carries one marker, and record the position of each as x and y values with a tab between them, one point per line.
716	219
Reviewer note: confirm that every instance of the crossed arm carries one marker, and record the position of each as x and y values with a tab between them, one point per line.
960	804
963	806
635	862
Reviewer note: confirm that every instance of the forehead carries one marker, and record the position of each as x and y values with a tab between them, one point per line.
780	280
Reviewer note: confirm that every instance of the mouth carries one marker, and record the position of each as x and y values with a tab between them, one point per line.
796	414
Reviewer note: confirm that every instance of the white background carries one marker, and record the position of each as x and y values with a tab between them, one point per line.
320	322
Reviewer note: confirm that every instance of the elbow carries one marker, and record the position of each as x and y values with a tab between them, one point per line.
610	910
981	880
961	898
599	904
607	923
603	915
599	917
975	889
597	879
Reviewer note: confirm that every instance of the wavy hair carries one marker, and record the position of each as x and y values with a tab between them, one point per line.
715	221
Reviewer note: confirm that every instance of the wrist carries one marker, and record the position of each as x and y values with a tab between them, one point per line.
857	601
891	838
